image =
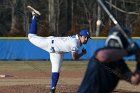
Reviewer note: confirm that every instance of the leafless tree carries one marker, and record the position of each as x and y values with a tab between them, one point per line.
59	16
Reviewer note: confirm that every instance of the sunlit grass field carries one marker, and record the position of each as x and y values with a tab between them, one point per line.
45	66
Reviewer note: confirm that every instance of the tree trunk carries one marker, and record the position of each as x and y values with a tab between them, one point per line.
60	16
52	16
17	19
98	24
13	16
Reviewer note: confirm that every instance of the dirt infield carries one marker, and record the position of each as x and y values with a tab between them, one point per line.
34	77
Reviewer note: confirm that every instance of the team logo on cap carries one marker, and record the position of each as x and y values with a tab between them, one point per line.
88	33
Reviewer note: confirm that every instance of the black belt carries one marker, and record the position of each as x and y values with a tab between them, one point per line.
52	41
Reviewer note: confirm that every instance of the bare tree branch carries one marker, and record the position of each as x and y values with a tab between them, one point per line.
131	13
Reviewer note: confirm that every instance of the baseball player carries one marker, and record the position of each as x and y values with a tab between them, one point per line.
57	46
107	66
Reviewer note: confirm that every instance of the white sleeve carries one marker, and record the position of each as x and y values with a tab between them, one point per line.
75	47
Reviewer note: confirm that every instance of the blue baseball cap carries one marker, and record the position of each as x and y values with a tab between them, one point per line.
85	32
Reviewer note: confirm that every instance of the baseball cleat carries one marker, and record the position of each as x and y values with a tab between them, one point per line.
52	90
34	11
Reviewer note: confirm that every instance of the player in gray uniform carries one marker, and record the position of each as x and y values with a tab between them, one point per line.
57	46
107	67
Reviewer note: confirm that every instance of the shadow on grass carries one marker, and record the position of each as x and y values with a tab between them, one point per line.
124	91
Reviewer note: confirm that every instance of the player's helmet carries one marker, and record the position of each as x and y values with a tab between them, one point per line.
116	39
85	32
115	29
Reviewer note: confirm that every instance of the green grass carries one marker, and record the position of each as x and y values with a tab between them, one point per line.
39	65
45	65
23	65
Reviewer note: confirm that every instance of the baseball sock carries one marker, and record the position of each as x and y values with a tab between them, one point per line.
33	27
55	77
